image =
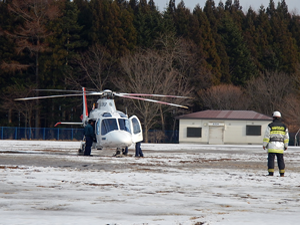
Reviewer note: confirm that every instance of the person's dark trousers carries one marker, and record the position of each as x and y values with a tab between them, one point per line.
280	162
88	145
138	150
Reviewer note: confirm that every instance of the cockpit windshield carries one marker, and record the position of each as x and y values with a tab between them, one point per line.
124	124
108	125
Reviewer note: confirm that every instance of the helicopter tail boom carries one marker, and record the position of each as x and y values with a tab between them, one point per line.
85	109
68	123
84	115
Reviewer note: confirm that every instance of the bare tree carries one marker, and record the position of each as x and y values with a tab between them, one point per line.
290	110
268	91
290	105
143	71
25	108
34	16
148	72
12	66
183	66
94	66
156	136
224	97
31	33
188	59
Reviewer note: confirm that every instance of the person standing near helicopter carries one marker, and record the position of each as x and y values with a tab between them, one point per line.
138	150
276	141
89	137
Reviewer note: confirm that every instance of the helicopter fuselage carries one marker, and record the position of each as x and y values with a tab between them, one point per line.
113	128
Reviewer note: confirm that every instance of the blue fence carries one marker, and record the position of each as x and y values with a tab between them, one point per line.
27	133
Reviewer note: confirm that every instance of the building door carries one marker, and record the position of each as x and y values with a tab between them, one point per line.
216	135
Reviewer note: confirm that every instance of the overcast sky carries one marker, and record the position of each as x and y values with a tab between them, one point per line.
293	5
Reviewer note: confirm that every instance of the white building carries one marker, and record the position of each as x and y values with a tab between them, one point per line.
223	127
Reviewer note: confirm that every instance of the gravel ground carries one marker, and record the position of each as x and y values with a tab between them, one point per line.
49	183
217	157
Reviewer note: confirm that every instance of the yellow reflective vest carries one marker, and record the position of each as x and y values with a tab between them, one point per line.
276	137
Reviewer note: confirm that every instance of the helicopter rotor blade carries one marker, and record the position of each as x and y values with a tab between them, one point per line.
106	92
57	90
154	95
67	91
151	100
46	97
56	96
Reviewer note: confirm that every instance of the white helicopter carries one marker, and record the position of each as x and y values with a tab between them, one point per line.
113	128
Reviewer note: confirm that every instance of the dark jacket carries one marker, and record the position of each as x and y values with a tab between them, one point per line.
89	131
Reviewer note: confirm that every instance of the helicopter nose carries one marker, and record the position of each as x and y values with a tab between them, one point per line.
121	138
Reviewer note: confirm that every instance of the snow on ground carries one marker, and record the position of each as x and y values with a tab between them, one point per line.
45	182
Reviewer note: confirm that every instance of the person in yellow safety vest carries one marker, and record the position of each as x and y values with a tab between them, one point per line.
276	140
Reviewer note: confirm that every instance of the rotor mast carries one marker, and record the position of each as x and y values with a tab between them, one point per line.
106	102
107	105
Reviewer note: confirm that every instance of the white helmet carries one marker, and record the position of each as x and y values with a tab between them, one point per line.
277	114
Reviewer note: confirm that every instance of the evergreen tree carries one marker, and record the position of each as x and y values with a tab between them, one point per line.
112	26
168	18
235	11
294	28
207	43
241	67
56	65
228	5
31	34
7	57
172	6
284	46
96	22
266	55
219	14
283	12
209	11
251	36
85	18
134	5
6	46
148	23
214	16
130	33
65	45
271	9
182	20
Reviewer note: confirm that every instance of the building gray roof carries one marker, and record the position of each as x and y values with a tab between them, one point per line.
226	115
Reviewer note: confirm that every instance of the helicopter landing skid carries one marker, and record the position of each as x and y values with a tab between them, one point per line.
118	153
121	154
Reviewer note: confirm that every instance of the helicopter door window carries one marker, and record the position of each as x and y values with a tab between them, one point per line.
108	125
136	126
98	127
124	124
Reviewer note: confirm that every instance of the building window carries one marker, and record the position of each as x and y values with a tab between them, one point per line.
253	130
194	132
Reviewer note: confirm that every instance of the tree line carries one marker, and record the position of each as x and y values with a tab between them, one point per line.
221	55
